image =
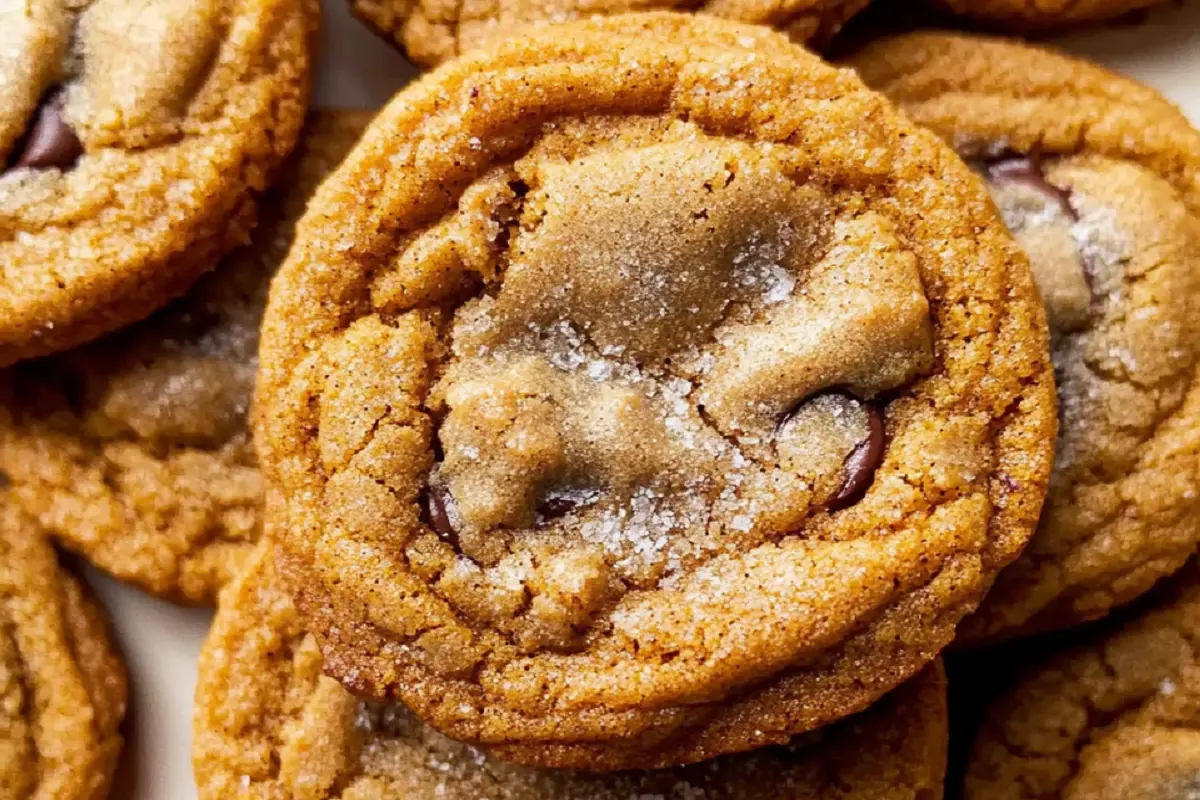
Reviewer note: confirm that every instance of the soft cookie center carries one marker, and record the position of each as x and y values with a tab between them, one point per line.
680	360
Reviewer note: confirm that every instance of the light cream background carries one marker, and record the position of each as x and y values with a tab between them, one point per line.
160	642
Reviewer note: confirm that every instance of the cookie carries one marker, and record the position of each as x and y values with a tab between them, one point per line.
62	685
1099	178
430	32
1044	16
1113	718
133	139
135	450
268	724
646	390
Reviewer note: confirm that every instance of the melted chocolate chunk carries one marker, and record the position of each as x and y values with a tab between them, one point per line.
438	501
1028	170
50	142
861	464
556	506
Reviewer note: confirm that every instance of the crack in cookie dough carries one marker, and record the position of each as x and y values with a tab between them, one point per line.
549	397
62	686
268	724
1116	718
431	32
1109	212
135	451
133	138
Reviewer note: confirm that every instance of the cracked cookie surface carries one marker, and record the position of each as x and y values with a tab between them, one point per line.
652	420
433	31
1099	178
134	137
268	724
1114	718
135	450
62	685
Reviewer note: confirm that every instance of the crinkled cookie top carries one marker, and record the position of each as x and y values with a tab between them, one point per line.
632	385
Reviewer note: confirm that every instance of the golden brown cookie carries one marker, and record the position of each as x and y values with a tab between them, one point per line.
135	450
134	136
62	685
268	724
1099	178
644	390
1044	15
1114	718
431	31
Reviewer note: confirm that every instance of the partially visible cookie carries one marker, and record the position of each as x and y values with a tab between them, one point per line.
134	136
1114	718
62	685
1099	179
268	724
135	450
1044	15
430	31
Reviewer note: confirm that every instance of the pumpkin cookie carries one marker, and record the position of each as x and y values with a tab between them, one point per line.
1045	15
646	390
1099	179
269	725
431	32
1115	718
134	135
62	686
135	450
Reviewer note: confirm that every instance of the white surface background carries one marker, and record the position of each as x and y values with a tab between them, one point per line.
160	641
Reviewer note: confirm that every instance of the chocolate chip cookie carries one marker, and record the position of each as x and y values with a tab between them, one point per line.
1114	718
1099	179
135	450
134	135
62	685
1045	15
431	32
645	390
268	724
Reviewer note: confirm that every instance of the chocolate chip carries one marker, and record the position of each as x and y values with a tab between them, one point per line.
5	481
438	502
861	463
555	506
50	142
1029	171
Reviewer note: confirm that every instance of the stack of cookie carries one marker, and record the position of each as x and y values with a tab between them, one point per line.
641	404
